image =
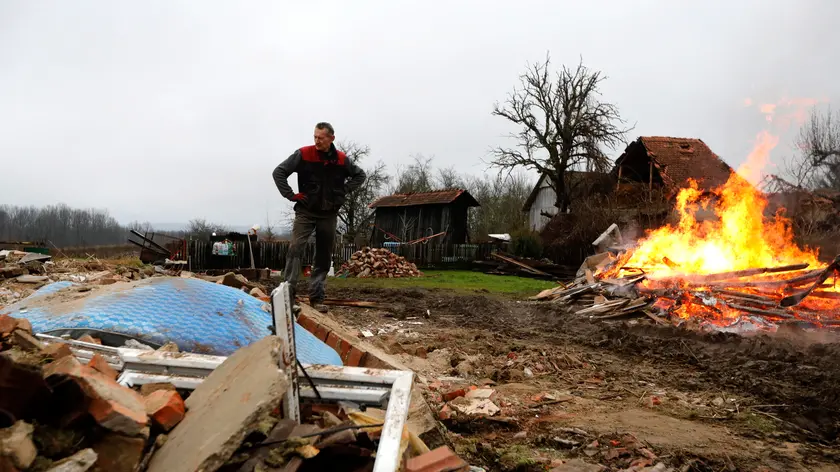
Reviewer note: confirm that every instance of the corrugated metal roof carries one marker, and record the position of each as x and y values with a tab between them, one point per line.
441	197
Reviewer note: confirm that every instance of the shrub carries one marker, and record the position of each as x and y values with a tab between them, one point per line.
526	243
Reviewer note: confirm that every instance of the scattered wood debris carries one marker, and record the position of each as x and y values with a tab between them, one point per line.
763	297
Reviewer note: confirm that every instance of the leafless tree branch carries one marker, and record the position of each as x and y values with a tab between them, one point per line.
563	125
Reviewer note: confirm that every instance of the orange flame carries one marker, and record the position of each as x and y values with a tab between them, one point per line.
738	238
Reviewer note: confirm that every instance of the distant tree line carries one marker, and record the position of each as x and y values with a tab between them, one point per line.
60	225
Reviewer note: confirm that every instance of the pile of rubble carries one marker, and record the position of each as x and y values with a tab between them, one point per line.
378	263
21	273
59	414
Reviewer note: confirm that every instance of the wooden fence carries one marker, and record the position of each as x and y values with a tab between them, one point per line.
272	255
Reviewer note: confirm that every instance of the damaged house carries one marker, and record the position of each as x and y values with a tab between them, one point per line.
541	203
639	192
657	165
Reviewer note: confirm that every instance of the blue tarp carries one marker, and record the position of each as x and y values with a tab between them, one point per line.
198	316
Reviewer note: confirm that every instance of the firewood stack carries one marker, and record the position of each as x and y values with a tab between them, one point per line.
378	263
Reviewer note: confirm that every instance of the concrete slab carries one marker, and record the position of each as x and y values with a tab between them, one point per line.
224	409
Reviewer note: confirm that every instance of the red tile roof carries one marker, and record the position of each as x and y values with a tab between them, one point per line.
442	197
679	159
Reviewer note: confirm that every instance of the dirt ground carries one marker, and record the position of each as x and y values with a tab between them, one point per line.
618	394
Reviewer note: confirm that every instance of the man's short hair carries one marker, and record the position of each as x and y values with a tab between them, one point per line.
326	126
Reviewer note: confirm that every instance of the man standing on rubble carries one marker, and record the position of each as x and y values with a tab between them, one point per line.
325	177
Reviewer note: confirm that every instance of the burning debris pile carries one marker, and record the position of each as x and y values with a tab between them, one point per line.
735	272
378	263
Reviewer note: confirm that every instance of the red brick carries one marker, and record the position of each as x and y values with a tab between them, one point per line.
345	347
147	389
89	339
333	341
117	453
437	460
445	413
322	332
166	408
449	396
101	365
57	350
7	325
356	357
307	323
24	324
25	340
113	406
68	365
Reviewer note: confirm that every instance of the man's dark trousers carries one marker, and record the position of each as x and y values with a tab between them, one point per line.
324	228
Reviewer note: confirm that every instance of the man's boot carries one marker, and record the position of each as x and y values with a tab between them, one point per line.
318	305
293	302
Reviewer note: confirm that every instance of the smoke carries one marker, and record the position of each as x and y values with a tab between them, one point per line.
758	158
780	116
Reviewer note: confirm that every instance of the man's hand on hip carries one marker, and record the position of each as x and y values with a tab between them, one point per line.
299	197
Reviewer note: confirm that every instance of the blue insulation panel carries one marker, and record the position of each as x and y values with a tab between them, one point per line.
198	316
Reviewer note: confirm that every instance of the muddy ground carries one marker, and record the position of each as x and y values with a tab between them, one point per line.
620	393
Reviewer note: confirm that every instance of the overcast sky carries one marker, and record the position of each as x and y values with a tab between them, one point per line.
164	111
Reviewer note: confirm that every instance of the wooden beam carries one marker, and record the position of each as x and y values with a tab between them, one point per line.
618	183
650	181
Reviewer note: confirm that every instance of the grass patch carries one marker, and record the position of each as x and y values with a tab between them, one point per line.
455	280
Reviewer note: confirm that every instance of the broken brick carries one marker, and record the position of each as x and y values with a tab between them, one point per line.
448	396
445	413
482	393
7	325
117	453
69	366
26	341
16	444
147	389
24	324
166	408
89	339
56	351
440	459
100	364
113	406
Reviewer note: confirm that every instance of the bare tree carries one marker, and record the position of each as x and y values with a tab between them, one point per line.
501	198
268	229
563	125
142	228
199	228
449	178
354	214
416	177
819	143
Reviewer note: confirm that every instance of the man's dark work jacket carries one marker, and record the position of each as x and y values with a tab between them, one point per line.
325	178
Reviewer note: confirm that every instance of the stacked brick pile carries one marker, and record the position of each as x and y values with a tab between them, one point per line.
378	263
58	411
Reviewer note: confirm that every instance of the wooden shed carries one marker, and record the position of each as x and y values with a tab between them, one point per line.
441	216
